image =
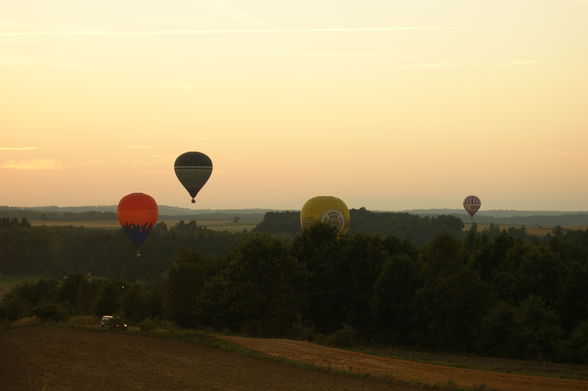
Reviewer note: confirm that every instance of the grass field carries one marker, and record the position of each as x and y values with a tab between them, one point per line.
531	229
219	225
492	364
215	225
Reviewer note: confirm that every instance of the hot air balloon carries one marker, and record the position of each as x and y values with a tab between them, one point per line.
137	214
193	170
326	209
471	204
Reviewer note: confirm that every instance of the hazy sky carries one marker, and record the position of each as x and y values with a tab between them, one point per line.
386	104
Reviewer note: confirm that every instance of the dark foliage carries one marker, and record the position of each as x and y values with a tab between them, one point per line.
404	226
490	293
55	251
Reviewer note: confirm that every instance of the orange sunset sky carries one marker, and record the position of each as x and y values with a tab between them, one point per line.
385	104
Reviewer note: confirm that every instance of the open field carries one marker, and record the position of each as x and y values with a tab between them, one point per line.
219	225
60	358
531	229
493	364
215	225
56	358
409	371
88	224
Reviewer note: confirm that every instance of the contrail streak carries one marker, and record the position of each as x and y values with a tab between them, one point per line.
218	32
17	148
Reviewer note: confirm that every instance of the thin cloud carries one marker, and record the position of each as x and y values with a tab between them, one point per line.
141	147
217	32
36	164
18	148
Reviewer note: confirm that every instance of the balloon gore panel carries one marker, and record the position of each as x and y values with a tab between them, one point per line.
193	170
137	214
326	209
472	204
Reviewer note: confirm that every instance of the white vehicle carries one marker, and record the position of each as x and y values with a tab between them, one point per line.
109	321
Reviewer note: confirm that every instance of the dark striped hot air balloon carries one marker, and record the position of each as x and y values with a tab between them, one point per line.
137	214
193	170
471	204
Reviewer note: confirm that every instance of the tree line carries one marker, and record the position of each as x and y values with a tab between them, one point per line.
55	215
493	295
56	251
53	251
417	229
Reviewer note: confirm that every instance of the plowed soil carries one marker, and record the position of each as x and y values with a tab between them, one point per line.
406	370
52	358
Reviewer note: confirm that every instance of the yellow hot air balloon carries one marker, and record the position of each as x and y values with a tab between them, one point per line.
326	209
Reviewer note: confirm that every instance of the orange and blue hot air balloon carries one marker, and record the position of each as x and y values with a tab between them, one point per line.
137	214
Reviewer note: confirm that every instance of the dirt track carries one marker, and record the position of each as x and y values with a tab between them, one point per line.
406	370
51	358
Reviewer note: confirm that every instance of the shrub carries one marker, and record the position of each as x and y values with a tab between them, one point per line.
47	311
579	343
343	338
303	332
147	325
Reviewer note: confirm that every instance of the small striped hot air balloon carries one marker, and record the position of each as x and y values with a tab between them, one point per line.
137	214
471	204
193	170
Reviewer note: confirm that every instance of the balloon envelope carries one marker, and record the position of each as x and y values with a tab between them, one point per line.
326	209
137	214
193	170
472	204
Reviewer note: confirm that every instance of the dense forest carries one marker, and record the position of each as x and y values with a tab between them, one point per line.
490	293
418	229
55	251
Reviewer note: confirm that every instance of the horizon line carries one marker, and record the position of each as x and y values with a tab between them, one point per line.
582	211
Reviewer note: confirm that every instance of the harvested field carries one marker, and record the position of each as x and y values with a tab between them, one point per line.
55	358
220	225
531	229
110	224
214	225
537	230
406	370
